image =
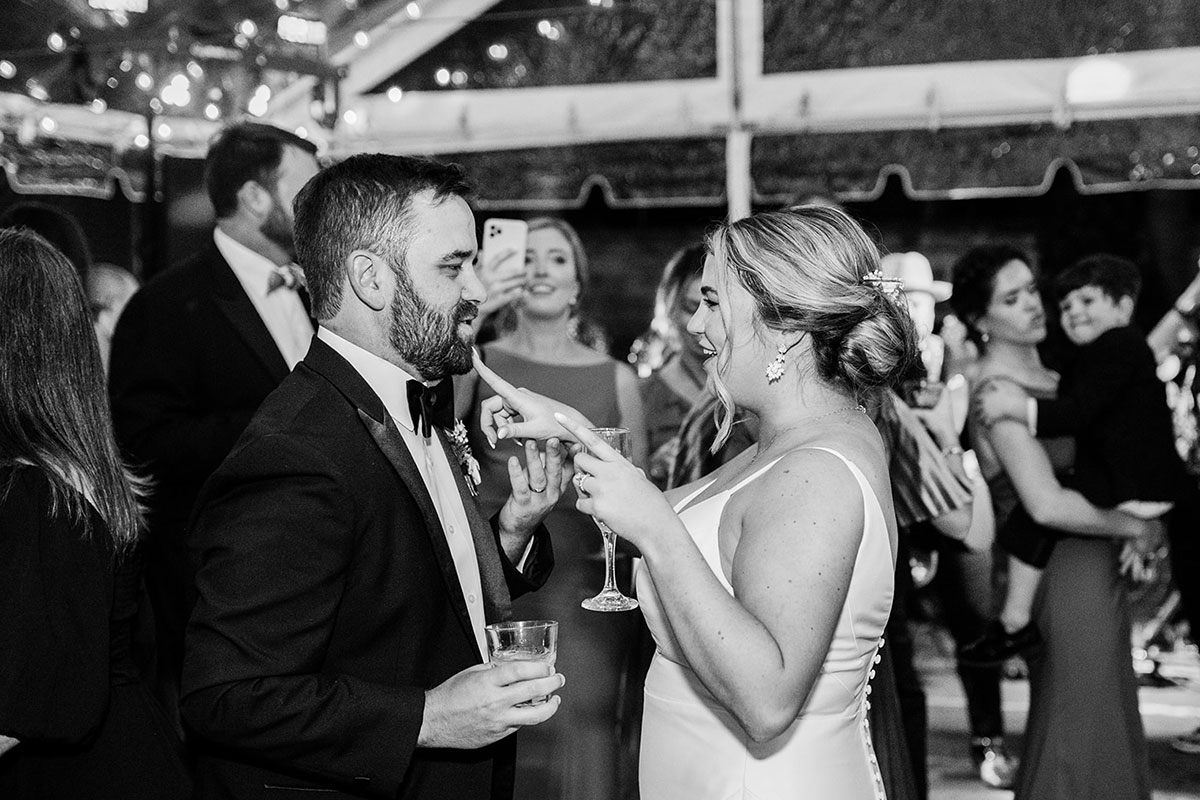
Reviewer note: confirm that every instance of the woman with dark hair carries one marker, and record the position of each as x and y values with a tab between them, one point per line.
1084	734
767	583
546	344
75	721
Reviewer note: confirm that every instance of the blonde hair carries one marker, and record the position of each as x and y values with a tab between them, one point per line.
804	268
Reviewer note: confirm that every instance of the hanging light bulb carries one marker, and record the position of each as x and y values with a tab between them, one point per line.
99	106
56	42
395	93
141	141
212	111
144	81
248	28
8	70
413	10
362	39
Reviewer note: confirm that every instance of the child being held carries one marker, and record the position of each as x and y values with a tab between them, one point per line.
1112	402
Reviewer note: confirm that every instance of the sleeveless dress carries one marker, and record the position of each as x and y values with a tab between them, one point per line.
692	747
1084	736
579	753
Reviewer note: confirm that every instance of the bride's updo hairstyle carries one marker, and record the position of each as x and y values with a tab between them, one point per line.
813	269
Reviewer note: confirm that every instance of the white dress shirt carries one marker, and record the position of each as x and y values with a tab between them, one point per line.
281	310
389	382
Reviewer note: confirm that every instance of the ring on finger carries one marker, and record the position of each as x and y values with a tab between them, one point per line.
538	491
579	476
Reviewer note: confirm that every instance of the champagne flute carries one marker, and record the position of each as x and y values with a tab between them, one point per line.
610	597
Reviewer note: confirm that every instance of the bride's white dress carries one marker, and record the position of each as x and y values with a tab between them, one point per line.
692	748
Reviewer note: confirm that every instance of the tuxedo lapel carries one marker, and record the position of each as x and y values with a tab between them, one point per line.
322	359
387	437
235	304
496	597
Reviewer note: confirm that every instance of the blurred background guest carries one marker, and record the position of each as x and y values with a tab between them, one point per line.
577	753
75	721
670	360
109	288
1084	735
198	348
943	505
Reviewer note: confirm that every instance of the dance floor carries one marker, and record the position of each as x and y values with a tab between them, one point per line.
1167	711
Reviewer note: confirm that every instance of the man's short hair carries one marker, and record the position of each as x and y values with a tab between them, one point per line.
362	203
1116	277
246	151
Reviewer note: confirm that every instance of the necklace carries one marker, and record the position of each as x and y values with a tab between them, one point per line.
807	421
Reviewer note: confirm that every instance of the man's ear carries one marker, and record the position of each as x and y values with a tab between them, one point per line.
368	276
255	199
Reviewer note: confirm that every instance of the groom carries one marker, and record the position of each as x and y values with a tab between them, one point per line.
345	572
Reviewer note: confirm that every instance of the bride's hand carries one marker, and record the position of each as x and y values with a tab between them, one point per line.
614	491
519	413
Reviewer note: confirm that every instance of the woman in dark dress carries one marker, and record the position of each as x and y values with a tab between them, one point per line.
545	345
1084	736
75	721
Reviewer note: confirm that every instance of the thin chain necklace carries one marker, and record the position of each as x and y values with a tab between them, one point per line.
807	421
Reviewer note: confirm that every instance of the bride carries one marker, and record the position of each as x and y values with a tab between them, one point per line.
768	582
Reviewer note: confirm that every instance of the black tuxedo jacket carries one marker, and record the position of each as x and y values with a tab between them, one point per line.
191	362
328	603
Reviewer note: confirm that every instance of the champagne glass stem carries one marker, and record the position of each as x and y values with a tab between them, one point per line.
610	559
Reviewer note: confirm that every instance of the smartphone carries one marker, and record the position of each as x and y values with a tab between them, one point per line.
502	235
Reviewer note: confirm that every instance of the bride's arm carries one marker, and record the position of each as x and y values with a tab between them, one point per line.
759	651
1047	502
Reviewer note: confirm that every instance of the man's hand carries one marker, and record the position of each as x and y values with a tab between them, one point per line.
498	416
479	705
999	399
535	491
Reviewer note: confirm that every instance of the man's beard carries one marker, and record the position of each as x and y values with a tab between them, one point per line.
426	338
278	228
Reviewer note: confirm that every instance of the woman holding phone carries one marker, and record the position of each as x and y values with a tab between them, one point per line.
546	344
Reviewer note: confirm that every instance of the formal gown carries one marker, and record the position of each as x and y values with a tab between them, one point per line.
1084	736
69	690
693	748
578	754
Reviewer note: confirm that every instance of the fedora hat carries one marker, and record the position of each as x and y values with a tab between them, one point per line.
914	273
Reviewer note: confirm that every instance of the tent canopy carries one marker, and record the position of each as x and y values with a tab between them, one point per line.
684	102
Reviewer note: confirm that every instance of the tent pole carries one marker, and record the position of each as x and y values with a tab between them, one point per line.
739	60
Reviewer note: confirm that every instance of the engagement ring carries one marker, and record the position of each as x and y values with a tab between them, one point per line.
579	476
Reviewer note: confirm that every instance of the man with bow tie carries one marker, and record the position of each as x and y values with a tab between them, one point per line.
199	348
345	571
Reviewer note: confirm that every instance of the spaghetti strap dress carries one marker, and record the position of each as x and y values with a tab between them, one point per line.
693	748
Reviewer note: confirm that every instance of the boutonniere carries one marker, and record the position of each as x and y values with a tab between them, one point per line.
466	459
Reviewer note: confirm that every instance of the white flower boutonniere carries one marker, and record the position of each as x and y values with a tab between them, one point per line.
466	459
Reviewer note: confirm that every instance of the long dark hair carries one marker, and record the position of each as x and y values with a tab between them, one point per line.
54	410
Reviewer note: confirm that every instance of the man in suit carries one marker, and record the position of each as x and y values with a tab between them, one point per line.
345	571
198	349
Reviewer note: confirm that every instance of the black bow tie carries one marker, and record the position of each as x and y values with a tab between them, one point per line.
431	405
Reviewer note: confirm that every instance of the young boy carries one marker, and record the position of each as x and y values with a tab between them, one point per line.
1112	402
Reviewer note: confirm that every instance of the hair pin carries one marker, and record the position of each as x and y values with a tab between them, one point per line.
889	286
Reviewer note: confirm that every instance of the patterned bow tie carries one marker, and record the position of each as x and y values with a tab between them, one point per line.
431	405
287	276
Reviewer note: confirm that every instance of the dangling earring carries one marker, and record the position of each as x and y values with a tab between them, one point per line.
775	368
984	336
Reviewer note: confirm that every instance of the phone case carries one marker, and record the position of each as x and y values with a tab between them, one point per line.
500	235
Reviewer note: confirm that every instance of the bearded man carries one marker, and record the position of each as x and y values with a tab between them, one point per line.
200	346
345	571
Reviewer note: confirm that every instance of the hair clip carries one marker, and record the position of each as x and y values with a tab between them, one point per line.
892	287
